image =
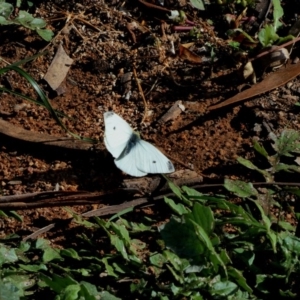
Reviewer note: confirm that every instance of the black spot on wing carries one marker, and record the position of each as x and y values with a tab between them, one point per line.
154	161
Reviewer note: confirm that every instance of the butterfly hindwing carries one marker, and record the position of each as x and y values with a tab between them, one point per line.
142	158
127	164
150	160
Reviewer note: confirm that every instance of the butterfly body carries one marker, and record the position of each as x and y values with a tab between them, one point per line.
133	155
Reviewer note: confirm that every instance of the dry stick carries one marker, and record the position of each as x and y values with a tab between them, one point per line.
38	232
109	210
150	5
68	21
85	198
142	95
43	196
128	26
45	199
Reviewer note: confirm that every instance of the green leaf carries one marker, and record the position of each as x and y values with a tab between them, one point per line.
248	164
157	260
181	238
8	291
288	168
108	296
70	253
203	216
259	148
267	36
179	208
277	13
179	264
223	288
7	255
287	143
177	191
135	227
286	226
121	231
24	18
119	244
109	269
42	244
33	268
3	214
121	213
191	192
239	278
198	4
57	283
45	34
6	10
271	235
260	282
38	23
71	292
50	254
292	243
215	258
240	188
22	282
138	286
16	216
88	291
3	21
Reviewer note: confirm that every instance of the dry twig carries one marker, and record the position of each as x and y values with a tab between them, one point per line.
142	95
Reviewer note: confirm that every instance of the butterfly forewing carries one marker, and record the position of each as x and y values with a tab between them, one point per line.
117	133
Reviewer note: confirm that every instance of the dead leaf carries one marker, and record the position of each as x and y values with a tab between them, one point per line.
173	112
248	72
273	81
188	45
58	69
186	54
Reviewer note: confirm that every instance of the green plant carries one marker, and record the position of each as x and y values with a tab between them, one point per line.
209	248
268	34
24	19
285	145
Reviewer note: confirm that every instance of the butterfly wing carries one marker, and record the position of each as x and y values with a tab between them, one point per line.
151	160
117	133
142	158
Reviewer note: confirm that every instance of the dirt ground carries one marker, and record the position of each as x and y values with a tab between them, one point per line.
109	41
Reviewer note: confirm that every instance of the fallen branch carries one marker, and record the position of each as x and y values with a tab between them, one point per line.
114	209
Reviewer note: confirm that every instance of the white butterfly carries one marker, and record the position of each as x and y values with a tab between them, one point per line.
132	155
